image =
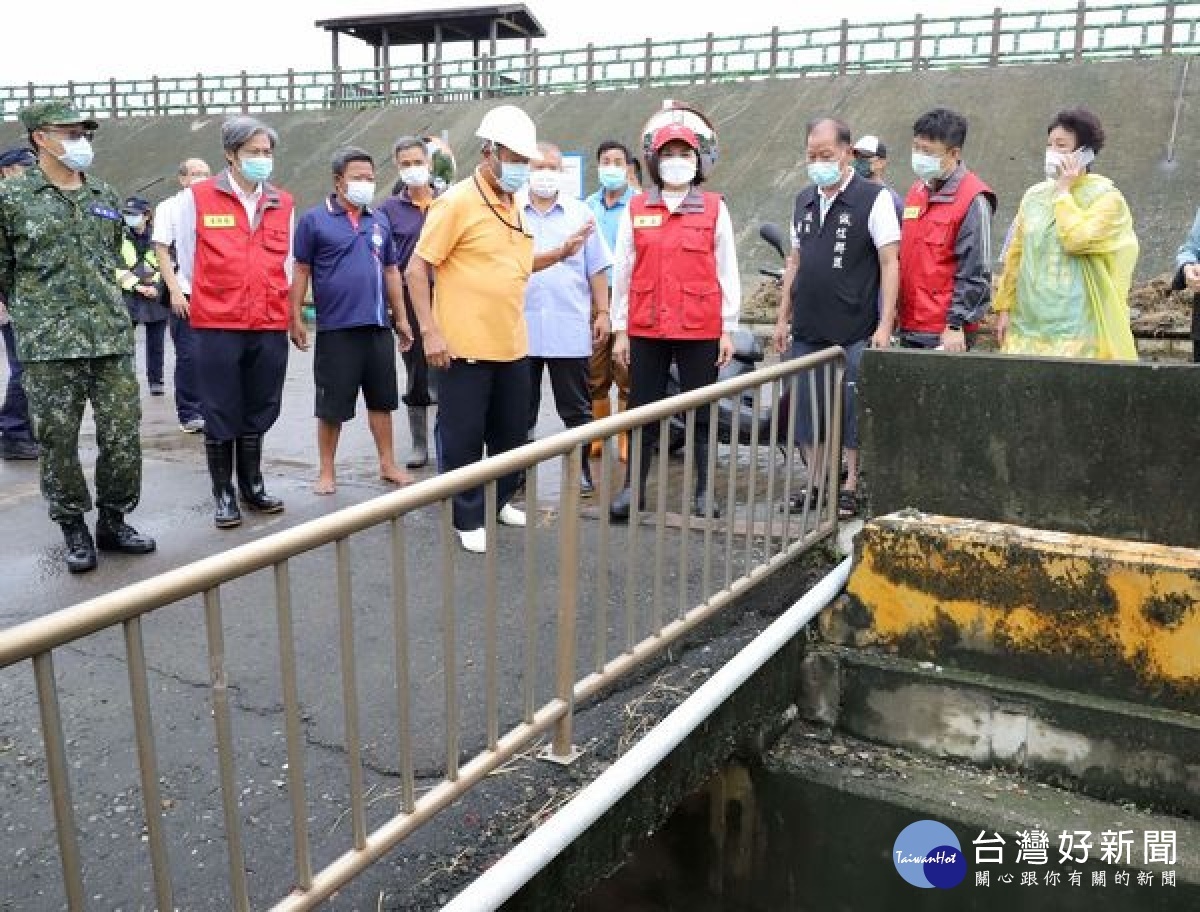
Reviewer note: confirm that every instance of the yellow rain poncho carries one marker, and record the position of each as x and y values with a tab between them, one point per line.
1068	271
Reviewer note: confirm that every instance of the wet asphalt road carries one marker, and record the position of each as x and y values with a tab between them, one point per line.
93	678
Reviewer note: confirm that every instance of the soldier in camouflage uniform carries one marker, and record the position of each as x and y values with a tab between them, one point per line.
60	239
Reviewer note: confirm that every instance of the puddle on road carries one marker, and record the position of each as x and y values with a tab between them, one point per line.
772	842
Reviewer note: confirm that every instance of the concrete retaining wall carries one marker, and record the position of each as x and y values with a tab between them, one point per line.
762	130
1095	448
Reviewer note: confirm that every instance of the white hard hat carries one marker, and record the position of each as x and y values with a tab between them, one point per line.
512	128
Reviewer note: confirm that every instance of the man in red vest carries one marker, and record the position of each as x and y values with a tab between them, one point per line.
945	240
233	241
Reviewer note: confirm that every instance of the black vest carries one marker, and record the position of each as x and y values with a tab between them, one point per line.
835	298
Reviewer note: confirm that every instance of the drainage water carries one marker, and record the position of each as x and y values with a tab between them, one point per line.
784	844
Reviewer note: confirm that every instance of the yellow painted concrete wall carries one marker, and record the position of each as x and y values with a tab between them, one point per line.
1097	615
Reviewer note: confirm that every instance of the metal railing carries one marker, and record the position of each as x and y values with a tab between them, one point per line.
711	562
1086	31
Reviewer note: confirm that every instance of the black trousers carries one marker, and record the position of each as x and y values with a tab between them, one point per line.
419	393
649	370
239	379
481	404
187	401
569	382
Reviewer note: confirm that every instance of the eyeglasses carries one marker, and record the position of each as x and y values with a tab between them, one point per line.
70	132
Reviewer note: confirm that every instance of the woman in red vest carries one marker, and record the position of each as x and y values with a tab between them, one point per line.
233	240
676	294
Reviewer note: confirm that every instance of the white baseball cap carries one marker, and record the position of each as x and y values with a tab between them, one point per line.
871	145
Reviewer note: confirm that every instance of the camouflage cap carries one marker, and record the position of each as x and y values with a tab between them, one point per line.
59	112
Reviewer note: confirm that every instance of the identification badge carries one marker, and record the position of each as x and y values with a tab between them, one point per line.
220	221
647	221
912	212
104	212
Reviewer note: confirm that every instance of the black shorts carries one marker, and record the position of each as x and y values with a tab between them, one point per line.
349	360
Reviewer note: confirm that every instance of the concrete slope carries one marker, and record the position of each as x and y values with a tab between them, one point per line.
762	129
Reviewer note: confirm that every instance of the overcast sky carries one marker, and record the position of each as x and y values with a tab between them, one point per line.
90	40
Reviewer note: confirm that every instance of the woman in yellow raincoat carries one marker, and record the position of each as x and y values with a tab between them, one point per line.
1067	272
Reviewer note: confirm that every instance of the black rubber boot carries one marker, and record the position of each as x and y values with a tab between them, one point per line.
622	505
701	506
81	550
114	534
418	423
220	470
249	476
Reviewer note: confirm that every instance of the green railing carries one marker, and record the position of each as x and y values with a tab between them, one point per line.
1003	38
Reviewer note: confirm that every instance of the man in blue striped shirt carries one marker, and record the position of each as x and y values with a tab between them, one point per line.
345	248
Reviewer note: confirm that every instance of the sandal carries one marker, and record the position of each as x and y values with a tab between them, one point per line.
847	504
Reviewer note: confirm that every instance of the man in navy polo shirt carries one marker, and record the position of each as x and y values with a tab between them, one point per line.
346	249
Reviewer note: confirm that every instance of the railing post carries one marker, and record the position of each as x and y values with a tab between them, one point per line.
589	63
245	93
201	107
649	62
997	17
774	57
562	751
916	60
708	57
291	89
71	92
156	95
112	98
533	72
32	93
844	48
1080	20
1169	27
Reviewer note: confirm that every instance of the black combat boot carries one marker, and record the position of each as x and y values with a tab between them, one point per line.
114	534
249	476
81	550
220	470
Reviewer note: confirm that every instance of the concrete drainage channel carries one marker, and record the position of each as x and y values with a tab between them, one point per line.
611	798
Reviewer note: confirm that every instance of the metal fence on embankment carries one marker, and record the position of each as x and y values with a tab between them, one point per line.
1084	32
402	665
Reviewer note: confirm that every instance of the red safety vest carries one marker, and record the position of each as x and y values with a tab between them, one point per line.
238	279
674	292
927	262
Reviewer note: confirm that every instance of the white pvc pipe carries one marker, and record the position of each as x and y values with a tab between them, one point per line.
501	881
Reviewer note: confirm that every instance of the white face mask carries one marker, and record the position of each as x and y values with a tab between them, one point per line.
415	176
360	193
134	221
544	184
677	170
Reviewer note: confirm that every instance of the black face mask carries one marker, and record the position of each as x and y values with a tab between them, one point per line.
862	167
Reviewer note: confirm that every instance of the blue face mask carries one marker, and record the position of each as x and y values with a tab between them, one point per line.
824	174
513	175
926	167
256	170
612	177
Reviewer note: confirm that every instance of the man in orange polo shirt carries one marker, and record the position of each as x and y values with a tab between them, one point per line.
474	334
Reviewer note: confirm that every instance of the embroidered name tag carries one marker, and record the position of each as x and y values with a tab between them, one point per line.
647	221
220	221
104	212
912	212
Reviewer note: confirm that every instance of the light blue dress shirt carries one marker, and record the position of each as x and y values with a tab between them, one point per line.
558	299
608	218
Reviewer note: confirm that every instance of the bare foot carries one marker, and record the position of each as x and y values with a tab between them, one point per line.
395	475
324	486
